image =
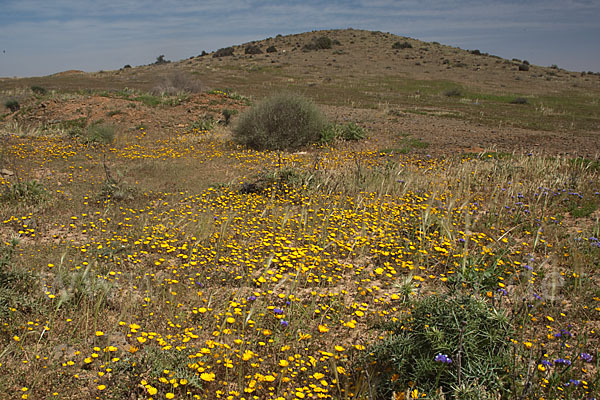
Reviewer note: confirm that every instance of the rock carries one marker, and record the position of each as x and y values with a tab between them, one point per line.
6	172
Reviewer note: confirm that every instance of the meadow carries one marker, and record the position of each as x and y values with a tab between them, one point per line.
165	261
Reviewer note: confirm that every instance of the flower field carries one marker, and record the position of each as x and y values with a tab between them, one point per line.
150	268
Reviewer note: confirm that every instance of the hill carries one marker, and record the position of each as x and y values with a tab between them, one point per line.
454	99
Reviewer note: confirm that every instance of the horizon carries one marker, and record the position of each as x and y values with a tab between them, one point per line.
42	39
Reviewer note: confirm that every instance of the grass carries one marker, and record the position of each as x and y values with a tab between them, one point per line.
205	287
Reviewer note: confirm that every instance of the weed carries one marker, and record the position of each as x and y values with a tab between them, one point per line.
227	114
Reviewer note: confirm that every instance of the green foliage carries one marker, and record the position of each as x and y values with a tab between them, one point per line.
203	124
347	132
74	127
15	284
472	334
24	192
13	105
100	132
281	122
39	90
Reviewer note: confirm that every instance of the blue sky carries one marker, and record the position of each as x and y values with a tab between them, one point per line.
41	37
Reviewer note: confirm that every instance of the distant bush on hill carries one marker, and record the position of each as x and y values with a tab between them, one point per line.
281	122
271	49
252	49
402	45
224	52
320	43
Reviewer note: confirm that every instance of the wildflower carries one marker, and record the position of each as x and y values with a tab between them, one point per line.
586	357
284	323
562	361
207	376
442	358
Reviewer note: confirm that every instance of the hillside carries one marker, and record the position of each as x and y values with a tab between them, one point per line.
454	99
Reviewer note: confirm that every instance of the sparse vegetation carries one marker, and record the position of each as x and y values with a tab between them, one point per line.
252	49
281	122
319	43
100	132
402	45
39	90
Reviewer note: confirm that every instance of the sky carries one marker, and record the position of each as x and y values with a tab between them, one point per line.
42	37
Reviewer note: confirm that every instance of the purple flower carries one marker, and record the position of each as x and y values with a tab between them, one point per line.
503	292
574	382
278	311
442	358
251	298
586	357
547	363
284	323
562	361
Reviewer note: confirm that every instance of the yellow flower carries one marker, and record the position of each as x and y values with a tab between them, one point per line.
323	328
101	387
170	395
99	333
283	363
151	390
207	376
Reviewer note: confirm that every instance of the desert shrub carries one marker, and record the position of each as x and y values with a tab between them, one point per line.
281	122
271	49
519	100
523	67
402	45
320	43
252	49
100	132
475	52
454	92
447	344
224	52
176	83
126	66
39	90
13	105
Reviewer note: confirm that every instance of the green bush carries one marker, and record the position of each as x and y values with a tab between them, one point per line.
281	122
447	343
13	105
39	90
100	132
